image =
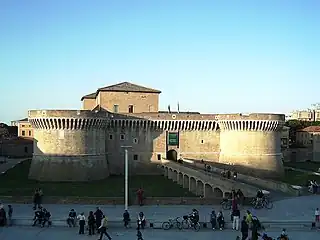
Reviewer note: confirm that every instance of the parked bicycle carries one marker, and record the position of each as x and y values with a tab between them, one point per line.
188	224
226	204
263	203
172	223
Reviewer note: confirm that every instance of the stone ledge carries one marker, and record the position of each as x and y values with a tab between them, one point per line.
116	200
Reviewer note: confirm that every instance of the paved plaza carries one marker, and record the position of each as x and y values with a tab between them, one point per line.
298	208
28	233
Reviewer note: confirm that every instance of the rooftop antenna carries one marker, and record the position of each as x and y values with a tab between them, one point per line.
178	107
169	110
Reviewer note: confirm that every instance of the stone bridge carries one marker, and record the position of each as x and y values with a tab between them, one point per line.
202	183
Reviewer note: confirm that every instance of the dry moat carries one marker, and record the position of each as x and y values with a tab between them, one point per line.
15	182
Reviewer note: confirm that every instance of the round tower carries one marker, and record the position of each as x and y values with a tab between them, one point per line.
252	143
69	145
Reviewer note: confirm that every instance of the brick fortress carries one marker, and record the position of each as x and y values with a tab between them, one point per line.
84	145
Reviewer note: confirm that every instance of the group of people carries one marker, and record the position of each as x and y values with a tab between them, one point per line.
5	219
95	221
227	174
41	217
217	220
313	187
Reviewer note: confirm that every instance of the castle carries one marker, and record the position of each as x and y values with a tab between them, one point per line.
84	145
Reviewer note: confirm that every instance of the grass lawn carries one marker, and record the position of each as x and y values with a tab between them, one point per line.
15	183
298	178
311	166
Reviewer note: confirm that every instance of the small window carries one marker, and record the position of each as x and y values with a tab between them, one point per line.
135	140
135	157
29	133
115	108
25	149
110	136
23	133
23	125
130	108
201	141
159	157
122	137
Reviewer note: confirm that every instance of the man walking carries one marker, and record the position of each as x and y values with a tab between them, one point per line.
103	228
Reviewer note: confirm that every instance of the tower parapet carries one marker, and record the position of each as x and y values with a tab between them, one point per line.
252	141
69	145
166	125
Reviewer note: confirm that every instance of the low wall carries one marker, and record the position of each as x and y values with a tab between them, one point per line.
157	224
115	201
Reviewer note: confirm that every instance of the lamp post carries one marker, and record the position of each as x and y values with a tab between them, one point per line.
126	173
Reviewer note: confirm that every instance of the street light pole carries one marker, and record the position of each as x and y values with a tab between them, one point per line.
126	176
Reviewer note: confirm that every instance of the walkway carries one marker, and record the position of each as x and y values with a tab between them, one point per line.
130	234
299	208
203	183
257	183
11	163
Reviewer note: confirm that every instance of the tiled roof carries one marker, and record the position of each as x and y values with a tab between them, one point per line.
89	96
122	87
311	129
18	140
23	120
128	87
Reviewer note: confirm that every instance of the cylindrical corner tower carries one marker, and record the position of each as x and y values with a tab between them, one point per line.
69	145
252	143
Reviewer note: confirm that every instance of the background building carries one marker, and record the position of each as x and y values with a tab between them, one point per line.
305	115
24	127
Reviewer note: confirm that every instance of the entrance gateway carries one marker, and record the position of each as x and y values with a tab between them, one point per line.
172	145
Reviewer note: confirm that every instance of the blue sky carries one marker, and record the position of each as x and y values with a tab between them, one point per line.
211	56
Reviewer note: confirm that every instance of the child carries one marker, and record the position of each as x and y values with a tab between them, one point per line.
139	234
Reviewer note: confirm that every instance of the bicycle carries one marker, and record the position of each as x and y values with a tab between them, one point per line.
171	223
264	203
188	224
226	204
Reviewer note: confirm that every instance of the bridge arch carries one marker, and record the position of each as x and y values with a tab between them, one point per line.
175	175
218	193
186	181
165	170
200	188
208	191
180	178
193	185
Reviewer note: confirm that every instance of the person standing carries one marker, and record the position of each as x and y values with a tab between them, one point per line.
10	212
99	215
103	228
82	223
91	223
126	218
236	219
317	218
213	220
140	196
244	228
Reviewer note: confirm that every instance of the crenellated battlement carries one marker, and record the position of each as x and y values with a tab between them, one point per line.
68	123
170	125
251	125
